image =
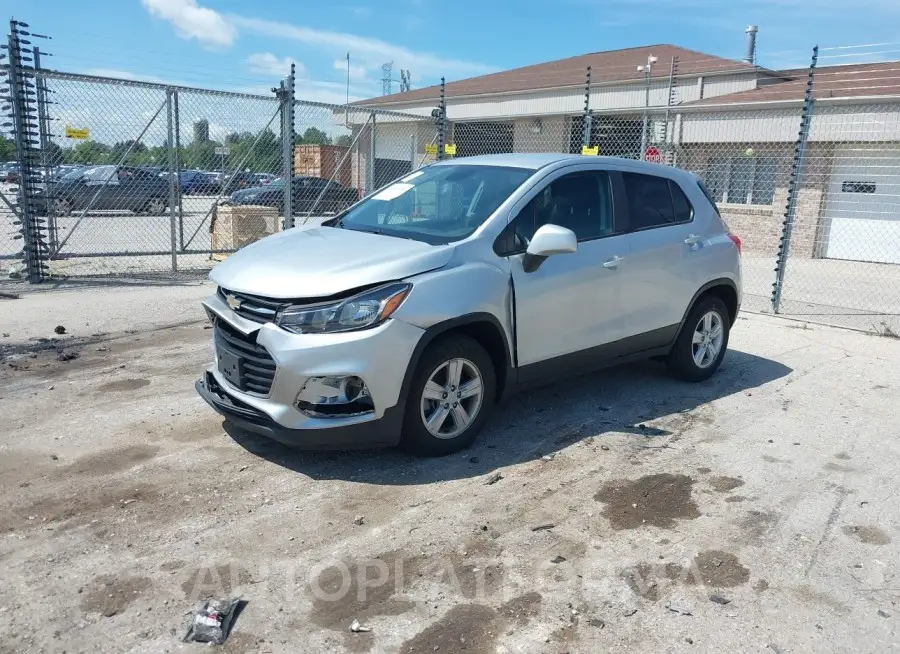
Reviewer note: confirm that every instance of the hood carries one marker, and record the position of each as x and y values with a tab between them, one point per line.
315	261
244	192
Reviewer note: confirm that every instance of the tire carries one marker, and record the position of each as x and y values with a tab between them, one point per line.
155	206
62	207
468	356
709	315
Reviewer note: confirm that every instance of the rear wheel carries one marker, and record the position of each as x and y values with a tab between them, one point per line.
451	395
155	206
61	207
701	345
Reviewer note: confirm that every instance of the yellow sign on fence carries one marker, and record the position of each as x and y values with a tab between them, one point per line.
76	133
590	151
449	148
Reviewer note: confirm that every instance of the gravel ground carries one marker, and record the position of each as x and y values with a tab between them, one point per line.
625	501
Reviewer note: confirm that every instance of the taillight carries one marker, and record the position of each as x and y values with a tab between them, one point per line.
736	240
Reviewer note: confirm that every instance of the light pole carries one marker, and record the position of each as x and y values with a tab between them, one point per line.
648	71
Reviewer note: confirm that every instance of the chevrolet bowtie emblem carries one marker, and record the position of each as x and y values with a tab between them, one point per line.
233	302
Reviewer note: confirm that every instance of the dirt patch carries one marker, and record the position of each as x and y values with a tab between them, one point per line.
867	535
110	595
721	569
470	628
712	568
241	643
523	608
171	566
757	524
725	484
80	507
735	498
761	586
123	385
837	467
843	456
644	578
657	500
215	581
704	471
112	461
768	458
343	593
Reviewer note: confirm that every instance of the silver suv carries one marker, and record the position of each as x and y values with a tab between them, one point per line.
408	316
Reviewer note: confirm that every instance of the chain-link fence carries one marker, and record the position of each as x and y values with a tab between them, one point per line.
140	179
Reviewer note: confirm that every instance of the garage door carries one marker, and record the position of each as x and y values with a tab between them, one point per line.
863	204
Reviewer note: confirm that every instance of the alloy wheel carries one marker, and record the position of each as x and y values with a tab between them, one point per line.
709	335
452	398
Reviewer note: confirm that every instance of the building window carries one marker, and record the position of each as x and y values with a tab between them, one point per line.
743	179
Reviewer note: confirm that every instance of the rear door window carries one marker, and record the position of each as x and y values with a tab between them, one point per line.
655	201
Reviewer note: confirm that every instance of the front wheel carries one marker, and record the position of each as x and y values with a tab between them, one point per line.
702	342
451	395
155	206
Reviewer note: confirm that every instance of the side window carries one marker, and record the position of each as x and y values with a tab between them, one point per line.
580	201
655	202
683	211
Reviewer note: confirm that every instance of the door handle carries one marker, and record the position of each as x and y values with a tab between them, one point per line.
693	239
613	263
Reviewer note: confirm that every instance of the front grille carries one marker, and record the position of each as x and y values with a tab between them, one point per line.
252	307
256	369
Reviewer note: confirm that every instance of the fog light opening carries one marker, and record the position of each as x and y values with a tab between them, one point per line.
327	397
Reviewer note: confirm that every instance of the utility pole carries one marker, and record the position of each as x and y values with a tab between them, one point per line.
648	72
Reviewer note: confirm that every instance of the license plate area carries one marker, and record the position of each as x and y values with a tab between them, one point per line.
230	366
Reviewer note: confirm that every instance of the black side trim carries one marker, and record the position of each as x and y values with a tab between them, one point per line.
442	328
642	346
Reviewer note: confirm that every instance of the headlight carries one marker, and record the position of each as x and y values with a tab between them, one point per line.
358	312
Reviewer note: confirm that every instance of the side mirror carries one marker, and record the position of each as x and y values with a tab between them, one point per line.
548	240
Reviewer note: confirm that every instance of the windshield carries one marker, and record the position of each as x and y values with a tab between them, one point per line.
72	175
437	204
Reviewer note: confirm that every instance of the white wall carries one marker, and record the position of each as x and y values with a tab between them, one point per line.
834	123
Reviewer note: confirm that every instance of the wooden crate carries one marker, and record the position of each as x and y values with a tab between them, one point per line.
322	161
233	227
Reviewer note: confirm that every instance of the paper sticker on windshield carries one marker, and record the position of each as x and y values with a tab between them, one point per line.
392	191
411	177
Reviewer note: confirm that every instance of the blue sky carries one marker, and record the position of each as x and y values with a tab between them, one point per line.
238	44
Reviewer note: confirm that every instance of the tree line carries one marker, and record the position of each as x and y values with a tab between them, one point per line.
263	157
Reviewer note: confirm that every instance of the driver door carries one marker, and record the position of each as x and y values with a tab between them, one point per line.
572	302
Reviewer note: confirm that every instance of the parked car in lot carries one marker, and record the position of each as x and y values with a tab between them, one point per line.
9	173
407	317
198	182
307	194
116	189
238	181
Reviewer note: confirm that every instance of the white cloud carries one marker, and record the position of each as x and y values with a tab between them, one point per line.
356	72
369	50
191	21
361	11
265	63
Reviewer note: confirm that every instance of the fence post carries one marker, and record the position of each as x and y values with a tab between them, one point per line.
178	164
442	120
173	220
287	146
25	130
794	186
46	164
371	175
588	119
